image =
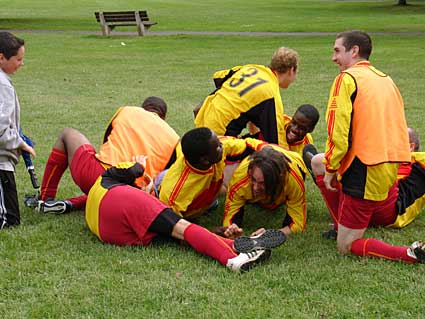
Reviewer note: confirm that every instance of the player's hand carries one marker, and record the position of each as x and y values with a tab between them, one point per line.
25	147
330	182
233	231
141	159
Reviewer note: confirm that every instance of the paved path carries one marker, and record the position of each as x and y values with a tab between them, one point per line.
223	33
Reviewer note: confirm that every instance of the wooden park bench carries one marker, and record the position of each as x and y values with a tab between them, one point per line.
109	20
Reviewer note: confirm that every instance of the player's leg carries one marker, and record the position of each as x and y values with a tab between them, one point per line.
332	199
205	242
9	206
60	157
384	214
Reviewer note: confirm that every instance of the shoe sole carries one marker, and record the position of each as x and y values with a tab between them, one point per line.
271	238
57	208
259	260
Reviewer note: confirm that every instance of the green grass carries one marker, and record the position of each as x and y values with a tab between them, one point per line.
219	15
53	267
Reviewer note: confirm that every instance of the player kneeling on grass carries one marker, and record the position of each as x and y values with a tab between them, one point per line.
121	214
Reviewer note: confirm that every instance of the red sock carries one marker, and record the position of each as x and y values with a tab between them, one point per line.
331	200
55	167
78	203
228	241
375	248
209	244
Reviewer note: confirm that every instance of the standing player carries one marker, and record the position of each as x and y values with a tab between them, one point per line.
12	52
250	93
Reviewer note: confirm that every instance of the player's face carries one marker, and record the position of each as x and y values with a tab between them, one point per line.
299	126
285	79
216	150
344	59
258	186
11	65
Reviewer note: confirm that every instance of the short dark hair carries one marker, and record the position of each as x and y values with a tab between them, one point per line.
359	38
274	166
10	44
196	144
155	104
309	112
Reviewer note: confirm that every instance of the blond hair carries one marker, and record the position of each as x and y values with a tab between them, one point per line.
284	59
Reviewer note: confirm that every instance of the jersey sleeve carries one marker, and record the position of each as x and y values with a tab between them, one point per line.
338	120
237	195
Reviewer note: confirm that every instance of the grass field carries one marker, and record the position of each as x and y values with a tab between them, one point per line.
53	267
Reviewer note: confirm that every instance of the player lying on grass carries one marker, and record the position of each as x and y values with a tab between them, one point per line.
119	213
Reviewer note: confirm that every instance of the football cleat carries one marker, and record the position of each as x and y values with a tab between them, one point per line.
54	206
31	200
246	261
417	250
271	238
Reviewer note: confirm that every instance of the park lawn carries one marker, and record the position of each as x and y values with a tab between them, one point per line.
221	15
55	268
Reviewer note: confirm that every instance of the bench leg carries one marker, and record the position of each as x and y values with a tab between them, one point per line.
106	30
104	27
140	26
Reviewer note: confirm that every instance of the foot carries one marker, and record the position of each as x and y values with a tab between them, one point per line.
246	261
417	250
54	206
271	238
31	200
308	152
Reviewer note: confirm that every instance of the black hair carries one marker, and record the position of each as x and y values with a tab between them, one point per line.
195	144
310	112
155	104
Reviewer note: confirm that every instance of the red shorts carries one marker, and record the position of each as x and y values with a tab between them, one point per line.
358	213
85	167
125	215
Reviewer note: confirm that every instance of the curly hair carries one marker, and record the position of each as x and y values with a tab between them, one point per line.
284	59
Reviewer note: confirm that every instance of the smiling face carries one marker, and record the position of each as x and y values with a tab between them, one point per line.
11	65
215	154
343	58
258	186
297	129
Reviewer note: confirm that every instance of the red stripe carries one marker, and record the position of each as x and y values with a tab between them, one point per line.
244	181
179	186
338	84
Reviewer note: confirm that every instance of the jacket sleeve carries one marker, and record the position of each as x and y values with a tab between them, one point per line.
9	131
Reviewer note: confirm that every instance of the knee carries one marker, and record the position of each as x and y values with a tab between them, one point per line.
317	164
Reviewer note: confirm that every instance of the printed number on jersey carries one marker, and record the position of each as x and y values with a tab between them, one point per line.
247	81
